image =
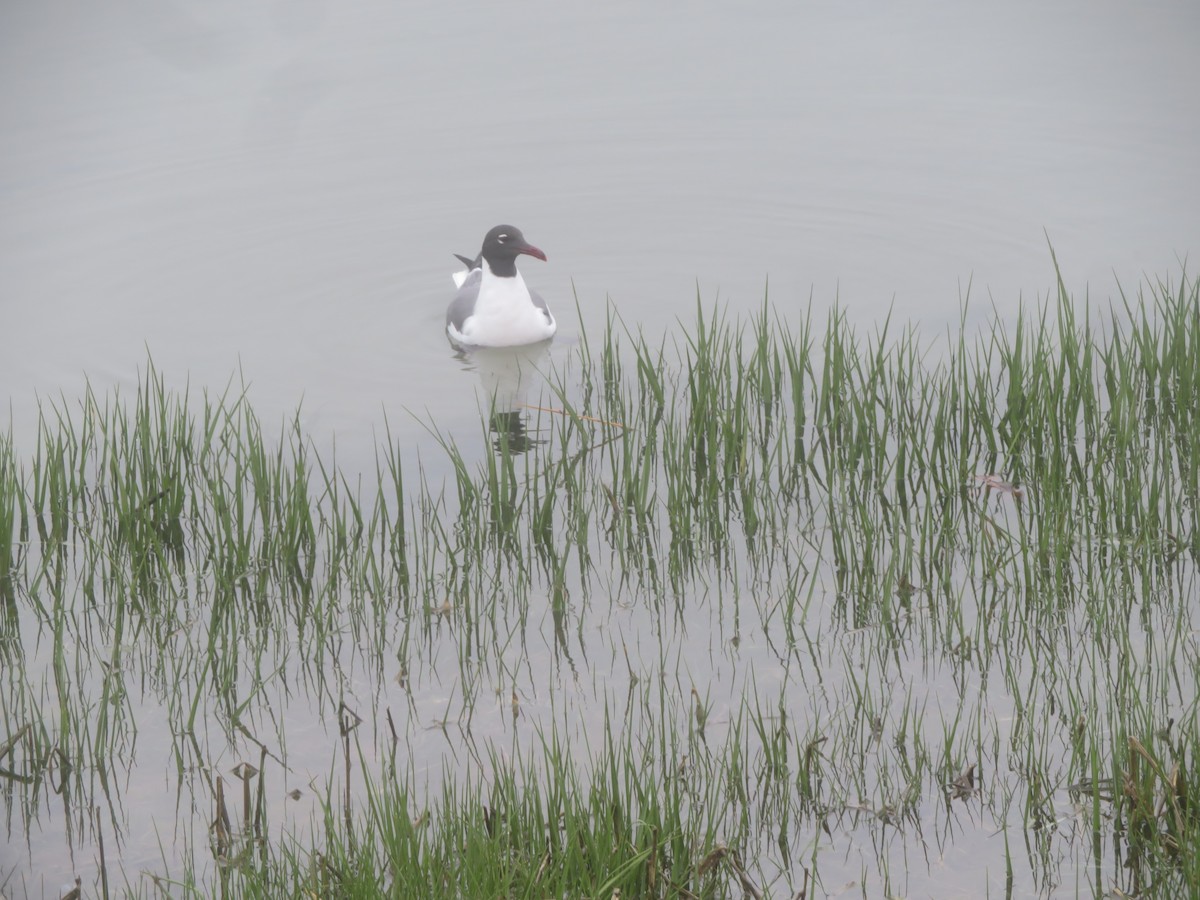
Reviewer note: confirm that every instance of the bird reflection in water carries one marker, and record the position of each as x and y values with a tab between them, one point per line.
505	375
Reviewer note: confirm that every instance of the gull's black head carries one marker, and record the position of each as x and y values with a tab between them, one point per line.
501	247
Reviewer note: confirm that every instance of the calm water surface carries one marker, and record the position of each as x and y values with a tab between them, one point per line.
273	191
279	186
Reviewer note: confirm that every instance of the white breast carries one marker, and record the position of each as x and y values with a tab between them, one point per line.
504	315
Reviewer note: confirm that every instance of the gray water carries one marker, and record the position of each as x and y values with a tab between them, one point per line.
272	192
277	189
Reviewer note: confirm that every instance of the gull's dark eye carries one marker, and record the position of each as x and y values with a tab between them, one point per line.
502	238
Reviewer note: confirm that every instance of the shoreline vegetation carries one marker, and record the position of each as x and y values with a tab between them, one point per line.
777	610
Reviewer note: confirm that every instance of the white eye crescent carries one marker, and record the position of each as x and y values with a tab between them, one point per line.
502	237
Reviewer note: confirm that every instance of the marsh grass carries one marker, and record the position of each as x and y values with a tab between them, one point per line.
767	609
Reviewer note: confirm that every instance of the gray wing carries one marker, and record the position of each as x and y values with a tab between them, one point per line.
463	304
539	303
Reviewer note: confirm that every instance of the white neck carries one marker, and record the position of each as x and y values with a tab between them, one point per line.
498	295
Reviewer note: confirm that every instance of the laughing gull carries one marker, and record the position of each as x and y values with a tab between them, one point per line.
493	307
